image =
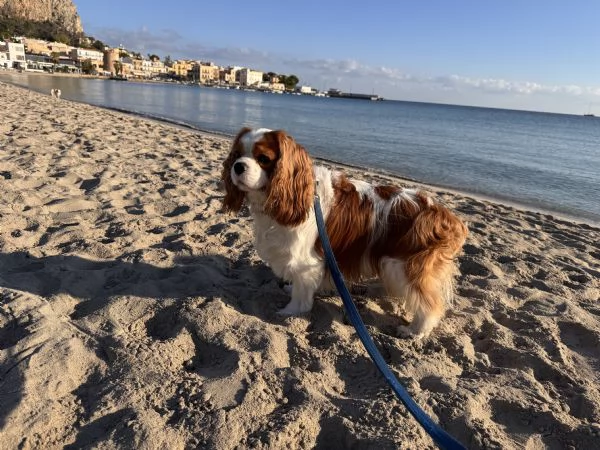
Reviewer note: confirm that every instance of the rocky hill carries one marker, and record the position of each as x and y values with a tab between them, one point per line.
60	12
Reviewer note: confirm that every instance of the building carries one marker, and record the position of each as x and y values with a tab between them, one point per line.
60	48
277	87
138	69
228	75
111	56
181	68
14	55
158	68
304	89
67	65
37	46
39	62
94	56
205	72
152	68
3	56
249	77
127	66
41	47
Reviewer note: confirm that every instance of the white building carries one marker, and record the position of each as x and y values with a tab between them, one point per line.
12	55
249	77
304	89
82	54
152	68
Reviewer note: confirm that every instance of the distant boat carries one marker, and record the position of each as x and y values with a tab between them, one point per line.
339	94
589	113
118	78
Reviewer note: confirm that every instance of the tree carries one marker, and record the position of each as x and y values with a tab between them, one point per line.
98	45
153	57
46	30
62	37
87	67
168	61
55	57
118	67
290	82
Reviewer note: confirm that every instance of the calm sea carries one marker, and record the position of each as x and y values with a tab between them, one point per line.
546	161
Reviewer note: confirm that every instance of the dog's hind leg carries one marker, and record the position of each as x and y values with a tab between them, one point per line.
422	298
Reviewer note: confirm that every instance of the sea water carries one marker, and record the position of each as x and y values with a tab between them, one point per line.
541	160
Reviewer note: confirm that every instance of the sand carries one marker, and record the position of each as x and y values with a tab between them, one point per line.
134	314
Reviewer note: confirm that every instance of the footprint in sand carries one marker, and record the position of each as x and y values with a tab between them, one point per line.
210	360
166	187
89	185
177	211
582	341
469	266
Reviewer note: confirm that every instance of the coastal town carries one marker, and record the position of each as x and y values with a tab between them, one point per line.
27	54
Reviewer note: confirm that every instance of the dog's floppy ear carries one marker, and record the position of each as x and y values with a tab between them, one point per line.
234	197
291	190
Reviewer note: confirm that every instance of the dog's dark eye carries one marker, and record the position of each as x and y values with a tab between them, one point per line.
263	159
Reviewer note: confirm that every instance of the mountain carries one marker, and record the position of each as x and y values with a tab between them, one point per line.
62	13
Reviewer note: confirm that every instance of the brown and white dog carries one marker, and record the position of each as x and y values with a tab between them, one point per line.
55	93
400	235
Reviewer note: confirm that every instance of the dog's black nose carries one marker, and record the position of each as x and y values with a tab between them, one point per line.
239	168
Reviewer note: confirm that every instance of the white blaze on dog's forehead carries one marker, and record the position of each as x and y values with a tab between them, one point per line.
252	137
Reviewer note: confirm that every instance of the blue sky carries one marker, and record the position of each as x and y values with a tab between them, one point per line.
525	54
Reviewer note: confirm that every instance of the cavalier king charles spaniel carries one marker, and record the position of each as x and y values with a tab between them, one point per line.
400	235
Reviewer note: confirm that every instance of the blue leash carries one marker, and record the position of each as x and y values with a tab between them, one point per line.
439	436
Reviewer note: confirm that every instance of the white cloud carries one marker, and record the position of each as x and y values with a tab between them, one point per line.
170	42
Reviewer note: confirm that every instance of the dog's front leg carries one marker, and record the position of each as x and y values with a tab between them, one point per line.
304	285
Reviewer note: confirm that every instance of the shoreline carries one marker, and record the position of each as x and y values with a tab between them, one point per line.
432	186
134	313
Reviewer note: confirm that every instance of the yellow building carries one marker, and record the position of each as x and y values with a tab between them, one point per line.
277	87
41	47
205	72
59	47
36	46
138	70
181	68
127	67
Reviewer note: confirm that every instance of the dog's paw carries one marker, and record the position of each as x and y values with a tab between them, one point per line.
406	331
292	310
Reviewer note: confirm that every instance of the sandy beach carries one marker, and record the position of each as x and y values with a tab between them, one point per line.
134	314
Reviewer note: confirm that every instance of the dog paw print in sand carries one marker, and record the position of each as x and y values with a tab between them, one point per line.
89	185
229	238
